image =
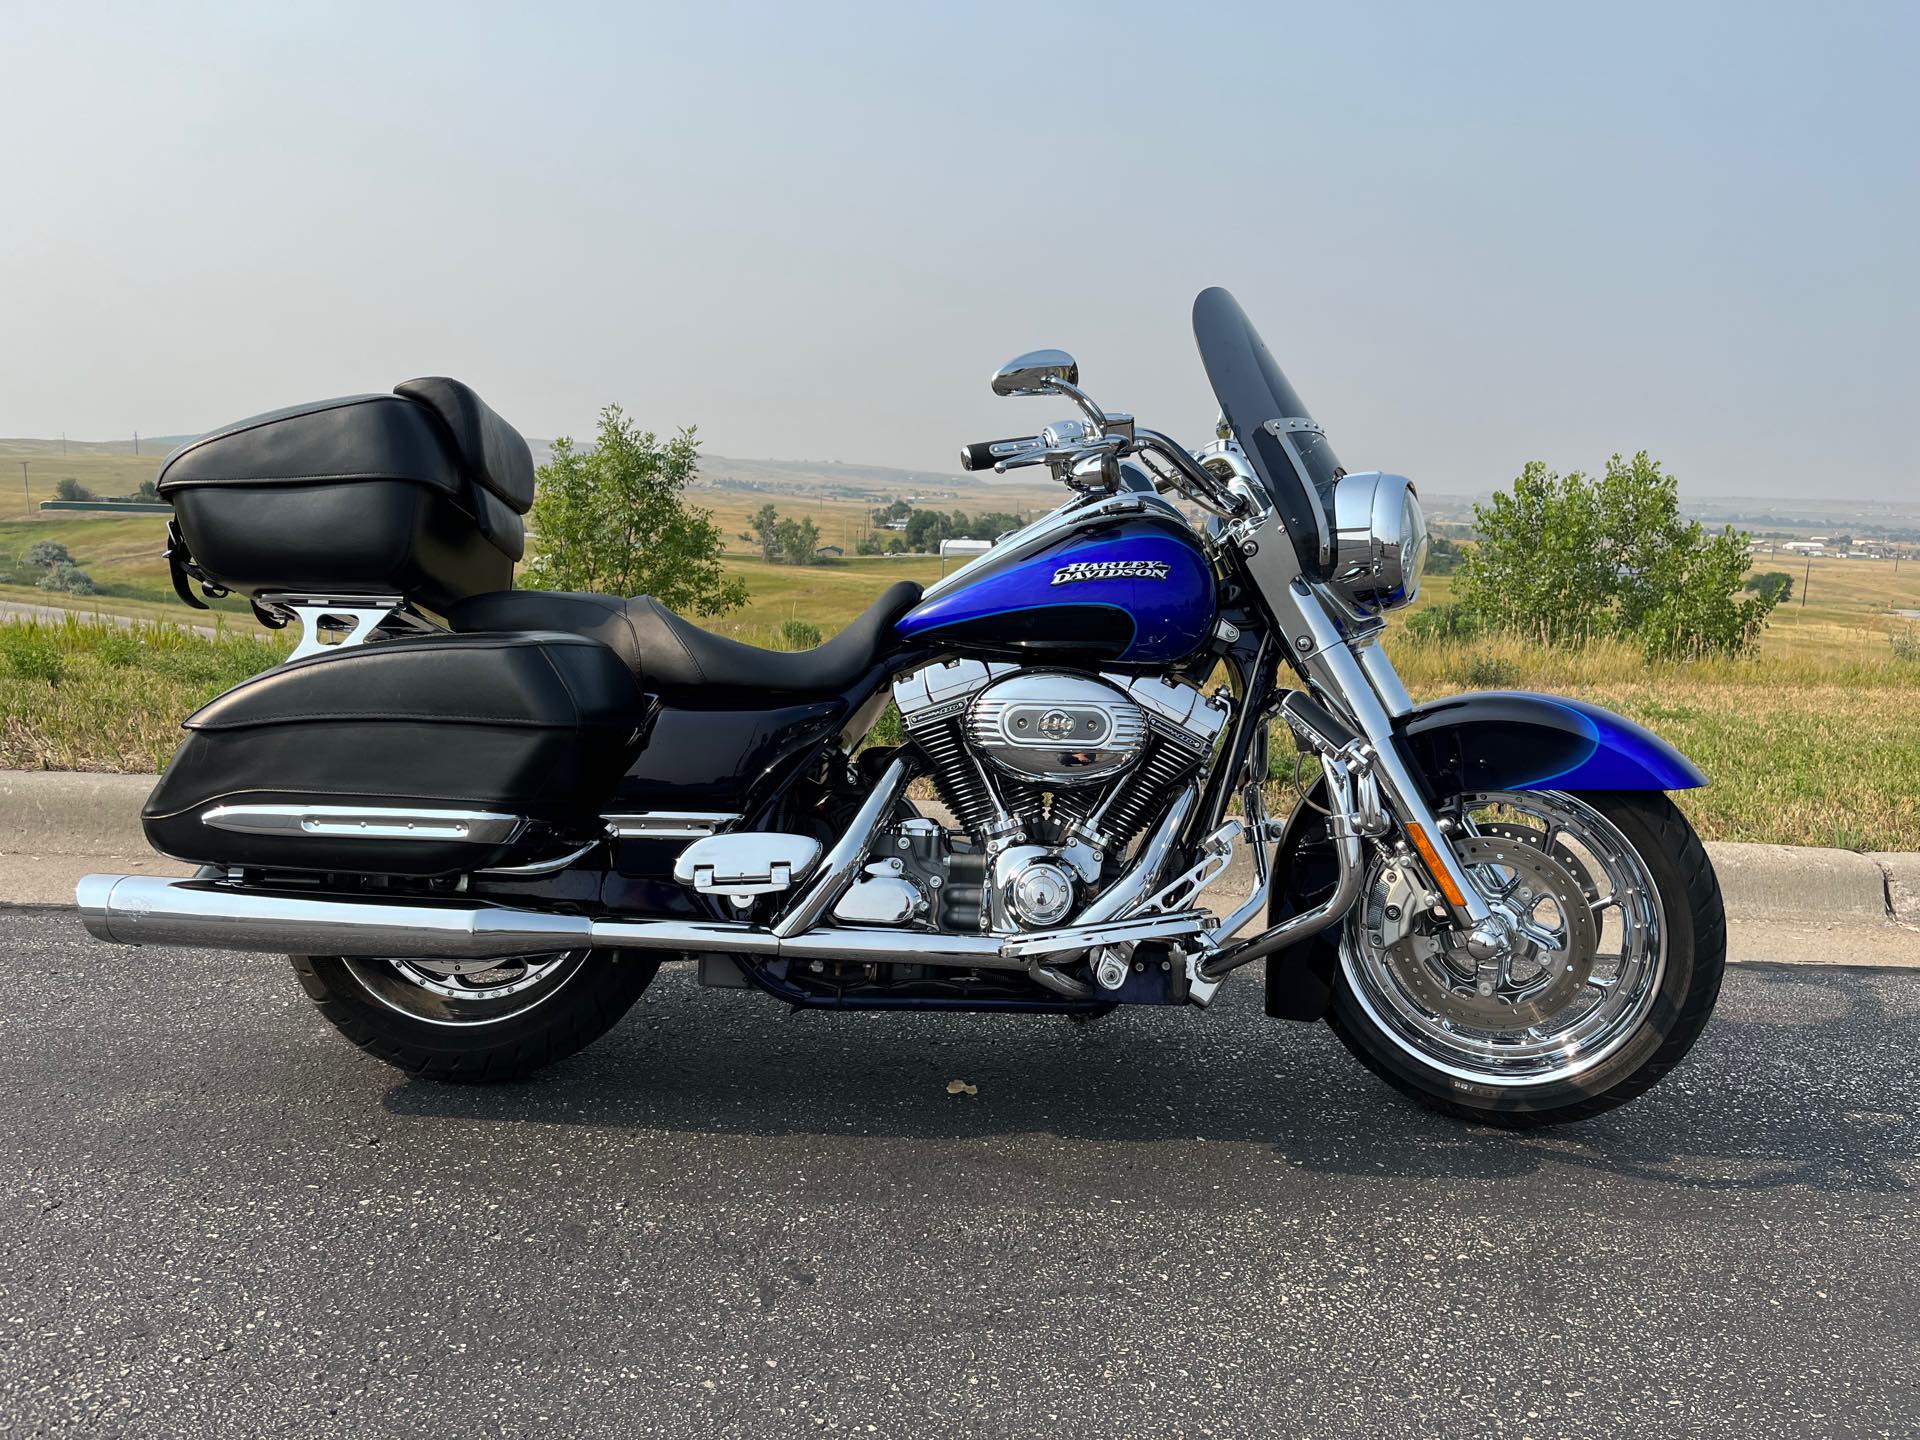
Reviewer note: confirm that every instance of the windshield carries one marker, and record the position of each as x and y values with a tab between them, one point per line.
1286	450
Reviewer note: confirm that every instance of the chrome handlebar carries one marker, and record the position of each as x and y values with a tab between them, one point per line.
1086	453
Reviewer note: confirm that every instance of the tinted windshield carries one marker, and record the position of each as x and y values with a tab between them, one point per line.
1295	462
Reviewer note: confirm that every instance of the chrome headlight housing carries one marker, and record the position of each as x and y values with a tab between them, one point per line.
1379	541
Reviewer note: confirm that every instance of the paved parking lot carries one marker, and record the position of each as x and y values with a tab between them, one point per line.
725	1220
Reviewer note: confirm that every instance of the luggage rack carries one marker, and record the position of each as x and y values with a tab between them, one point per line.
357	615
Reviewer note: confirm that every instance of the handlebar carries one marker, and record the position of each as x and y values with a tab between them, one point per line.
1083	454
985	454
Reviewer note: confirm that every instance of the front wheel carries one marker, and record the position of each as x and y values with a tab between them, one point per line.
475	1020
1617	949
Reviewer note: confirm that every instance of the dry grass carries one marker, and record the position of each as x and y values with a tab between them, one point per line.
1800	750
1817	741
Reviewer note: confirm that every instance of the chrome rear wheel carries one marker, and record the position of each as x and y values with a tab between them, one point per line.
496	1019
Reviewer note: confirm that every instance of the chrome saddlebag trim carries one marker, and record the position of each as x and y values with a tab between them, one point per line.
366	822
669	824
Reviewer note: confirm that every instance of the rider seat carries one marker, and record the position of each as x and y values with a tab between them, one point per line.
675	657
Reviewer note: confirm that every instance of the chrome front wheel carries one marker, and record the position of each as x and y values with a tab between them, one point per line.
1610	946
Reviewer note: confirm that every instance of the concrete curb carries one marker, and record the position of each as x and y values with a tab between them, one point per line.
1784	902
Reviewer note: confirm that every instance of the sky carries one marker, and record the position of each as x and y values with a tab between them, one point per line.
1474	234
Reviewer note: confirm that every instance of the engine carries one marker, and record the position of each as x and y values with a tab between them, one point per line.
1051	774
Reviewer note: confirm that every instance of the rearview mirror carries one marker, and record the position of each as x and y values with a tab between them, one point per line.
1033	372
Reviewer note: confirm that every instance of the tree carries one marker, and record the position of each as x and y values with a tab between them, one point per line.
926	529
612	519
46	554
765	523
799	539
1773	585
71	489
868	545
1565	559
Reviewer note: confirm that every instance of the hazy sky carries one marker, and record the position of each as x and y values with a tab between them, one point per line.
1473	234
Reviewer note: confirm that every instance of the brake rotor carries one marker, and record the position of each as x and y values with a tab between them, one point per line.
1553	951
1528	835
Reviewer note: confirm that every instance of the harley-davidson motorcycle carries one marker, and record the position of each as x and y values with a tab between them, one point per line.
480	818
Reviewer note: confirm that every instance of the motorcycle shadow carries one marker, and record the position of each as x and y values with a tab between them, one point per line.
1760	1103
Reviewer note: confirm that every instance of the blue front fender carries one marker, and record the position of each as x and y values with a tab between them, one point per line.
1513	740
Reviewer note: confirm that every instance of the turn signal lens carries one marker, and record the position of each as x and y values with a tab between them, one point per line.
1448	887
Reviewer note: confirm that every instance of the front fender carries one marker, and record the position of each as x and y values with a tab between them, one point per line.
1490	740
1514	740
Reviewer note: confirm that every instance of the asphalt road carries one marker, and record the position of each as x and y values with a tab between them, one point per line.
725	1220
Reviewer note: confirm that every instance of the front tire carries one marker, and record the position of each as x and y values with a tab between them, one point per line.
475	1021
1566	1034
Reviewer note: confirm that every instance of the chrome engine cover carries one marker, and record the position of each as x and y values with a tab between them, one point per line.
1056	729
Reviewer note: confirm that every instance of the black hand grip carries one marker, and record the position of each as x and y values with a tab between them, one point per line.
980	455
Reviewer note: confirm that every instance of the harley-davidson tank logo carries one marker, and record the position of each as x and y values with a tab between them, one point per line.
1111	570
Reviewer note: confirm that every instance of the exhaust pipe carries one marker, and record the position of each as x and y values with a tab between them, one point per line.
212	915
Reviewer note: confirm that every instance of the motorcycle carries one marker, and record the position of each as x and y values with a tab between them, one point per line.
480	818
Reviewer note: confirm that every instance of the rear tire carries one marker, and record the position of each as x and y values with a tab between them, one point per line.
1438	1070
498	1023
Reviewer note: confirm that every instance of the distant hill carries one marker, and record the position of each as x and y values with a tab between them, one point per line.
154	446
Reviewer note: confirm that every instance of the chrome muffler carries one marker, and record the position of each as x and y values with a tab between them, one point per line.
215	915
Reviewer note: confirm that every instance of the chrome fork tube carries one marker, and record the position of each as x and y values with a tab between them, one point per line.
1330	661
1384	679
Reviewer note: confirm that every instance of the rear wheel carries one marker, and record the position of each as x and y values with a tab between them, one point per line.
475	1020
1618	942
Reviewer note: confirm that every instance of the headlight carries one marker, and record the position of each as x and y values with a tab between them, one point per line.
1380	540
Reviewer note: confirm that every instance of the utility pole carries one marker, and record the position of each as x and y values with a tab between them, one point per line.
24	486
136	442
1806	580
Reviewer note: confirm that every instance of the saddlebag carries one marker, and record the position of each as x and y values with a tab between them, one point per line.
418	493
420	756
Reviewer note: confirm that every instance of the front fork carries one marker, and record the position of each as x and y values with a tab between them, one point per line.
1368	691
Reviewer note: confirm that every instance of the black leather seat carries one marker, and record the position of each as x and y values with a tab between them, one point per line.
671	656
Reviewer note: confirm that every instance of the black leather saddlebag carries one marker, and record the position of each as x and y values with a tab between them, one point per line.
418	493
367	760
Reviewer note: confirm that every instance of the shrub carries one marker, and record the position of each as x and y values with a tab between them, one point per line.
889	730
45	554
1438	623
31	652
1771	585
1567	559
69	577
71	489
799	634
1906	642
1491	672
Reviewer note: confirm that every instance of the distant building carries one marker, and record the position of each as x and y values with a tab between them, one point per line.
830	552
963	549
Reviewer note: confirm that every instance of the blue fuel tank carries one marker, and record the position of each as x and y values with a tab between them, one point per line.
1131	591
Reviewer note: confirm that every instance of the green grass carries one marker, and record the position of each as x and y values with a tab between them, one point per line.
87	695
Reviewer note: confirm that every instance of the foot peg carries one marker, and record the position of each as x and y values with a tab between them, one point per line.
743	866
